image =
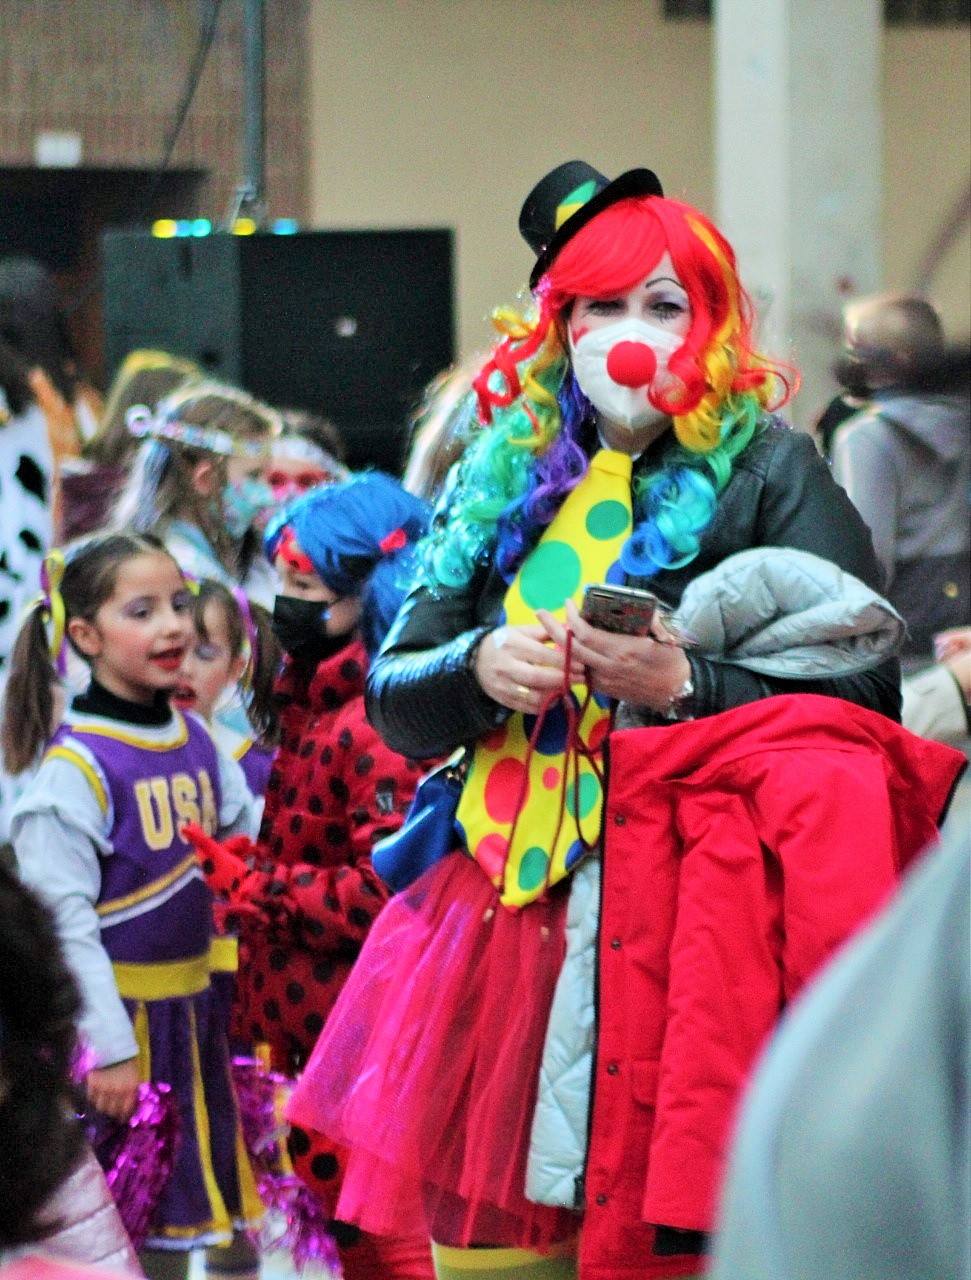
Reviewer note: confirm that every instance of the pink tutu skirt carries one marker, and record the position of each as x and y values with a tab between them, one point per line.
426	1071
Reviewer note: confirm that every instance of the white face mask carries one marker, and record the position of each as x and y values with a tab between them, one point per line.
616	365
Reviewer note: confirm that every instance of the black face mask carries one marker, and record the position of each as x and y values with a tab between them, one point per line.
299	626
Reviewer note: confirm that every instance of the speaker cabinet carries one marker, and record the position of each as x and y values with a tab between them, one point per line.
350	324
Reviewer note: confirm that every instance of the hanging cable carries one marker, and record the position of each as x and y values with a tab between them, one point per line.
201	56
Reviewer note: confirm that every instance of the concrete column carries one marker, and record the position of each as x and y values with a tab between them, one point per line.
798	168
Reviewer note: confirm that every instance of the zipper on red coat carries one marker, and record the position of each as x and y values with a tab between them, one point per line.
579	1183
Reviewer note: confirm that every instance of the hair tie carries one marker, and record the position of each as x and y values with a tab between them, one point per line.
393	541
51	602
138	420
292	554
252	635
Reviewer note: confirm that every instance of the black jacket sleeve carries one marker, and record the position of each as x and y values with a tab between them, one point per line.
423	696
802	506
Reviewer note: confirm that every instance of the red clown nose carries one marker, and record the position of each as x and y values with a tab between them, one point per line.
632	364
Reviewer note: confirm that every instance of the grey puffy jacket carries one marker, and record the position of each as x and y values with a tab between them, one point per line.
790	614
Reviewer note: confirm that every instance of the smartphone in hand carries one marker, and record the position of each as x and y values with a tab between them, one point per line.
627	610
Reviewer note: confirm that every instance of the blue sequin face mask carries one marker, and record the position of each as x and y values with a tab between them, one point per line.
244	502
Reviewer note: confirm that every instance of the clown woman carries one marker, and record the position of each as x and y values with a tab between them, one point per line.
627	435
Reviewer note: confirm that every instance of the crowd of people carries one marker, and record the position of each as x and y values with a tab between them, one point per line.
345	779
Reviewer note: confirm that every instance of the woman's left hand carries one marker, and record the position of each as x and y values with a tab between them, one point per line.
635	669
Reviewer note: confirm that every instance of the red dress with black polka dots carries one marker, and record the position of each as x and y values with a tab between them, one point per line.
304	913
334	789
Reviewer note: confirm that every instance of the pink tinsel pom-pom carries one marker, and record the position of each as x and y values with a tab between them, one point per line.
295	1220
304	1228
138	1158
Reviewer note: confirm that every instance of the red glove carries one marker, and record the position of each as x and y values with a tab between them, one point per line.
223	863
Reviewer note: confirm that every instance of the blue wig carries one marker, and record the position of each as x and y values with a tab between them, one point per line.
360	537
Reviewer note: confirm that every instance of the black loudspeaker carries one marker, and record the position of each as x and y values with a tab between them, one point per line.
350	324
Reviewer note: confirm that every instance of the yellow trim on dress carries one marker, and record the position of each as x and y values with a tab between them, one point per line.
224	954
242	749
140	1027
131	739
163	980
97	786
251	1206
141	895
217	1205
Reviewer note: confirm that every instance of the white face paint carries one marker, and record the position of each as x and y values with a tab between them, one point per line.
616	365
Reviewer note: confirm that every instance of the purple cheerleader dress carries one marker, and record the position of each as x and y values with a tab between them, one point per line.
155	913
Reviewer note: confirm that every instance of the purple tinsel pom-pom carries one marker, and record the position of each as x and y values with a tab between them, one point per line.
295	1219
138	1158
303	1228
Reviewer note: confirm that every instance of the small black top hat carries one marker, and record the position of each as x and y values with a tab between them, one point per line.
566	200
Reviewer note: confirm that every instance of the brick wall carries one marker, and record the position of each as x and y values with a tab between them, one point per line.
114	71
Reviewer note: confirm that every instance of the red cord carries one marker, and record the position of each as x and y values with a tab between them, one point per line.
574	748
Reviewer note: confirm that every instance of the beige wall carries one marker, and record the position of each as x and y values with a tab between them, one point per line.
444	112
927	126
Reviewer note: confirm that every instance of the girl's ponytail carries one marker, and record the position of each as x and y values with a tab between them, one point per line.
265	659
28	708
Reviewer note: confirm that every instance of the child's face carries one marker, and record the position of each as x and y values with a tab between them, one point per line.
247	500
208	666
137	640
344	611
290	478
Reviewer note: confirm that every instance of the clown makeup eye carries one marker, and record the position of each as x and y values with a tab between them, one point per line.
668	308
665	299
208	652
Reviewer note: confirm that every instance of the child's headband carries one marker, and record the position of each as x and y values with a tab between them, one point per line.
298	449
143	424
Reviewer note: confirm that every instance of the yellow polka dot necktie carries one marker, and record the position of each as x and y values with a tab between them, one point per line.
529	818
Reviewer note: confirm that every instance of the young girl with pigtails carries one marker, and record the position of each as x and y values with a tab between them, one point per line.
626	437
98	835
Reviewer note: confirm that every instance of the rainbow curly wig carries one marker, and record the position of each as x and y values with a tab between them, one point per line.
515	473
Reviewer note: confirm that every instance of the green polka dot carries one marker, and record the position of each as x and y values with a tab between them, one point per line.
550	576
532	869
607	520
589	794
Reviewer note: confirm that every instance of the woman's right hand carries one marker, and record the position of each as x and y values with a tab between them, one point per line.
114	1090
518	666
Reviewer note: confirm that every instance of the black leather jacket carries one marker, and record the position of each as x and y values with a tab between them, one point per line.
422	693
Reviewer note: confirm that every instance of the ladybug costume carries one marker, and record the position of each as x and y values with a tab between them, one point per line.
304	896
334	789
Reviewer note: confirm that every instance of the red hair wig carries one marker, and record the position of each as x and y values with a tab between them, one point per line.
611	255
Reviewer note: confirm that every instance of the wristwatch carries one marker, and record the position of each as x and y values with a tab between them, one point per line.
680	704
